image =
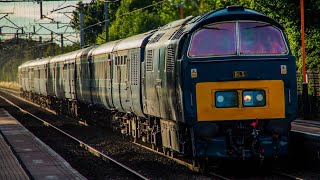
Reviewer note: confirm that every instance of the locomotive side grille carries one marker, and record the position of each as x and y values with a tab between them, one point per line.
156	39
134	65
170	58
177	34
149	60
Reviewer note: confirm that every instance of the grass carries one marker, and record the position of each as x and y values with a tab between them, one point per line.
9	85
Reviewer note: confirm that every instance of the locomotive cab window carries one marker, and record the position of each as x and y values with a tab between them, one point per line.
213	40
260	38
237	38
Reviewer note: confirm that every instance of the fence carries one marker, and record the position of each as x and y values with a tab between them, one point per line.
313	91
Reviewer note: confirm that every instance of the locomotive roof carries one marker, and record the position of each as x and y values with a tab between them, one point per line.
232	13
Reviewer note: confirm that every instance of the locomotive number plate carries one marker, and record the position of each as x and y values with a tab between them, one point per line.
239	74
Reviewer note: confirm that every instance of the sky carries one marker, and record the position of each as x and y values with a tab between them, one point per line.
27	15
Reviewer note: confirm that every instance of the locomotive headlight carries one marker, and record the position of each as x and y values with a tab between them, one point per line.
220	99
254	98
247	98
259	97
225	99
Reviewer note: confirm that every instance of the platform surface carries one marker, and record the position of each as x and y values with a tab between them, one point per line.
309	127
24	156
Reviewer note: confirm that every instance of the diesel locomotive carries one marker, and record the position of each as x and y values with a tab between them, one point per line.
218	85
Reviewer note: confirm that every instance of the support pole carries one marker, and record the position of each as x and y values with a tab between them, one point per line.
81	25
107	20
41	13
182	11
40	48
306	108
53	53
61	41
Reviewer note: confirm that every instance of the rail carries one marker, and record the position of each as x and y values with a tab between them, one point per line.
82	144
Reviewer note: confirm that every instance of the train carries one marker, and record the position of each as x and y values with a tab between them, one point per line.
221	85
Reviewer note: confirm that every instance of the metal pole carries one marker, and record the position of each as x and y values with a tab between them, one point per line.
40	2
52	45
306	108
107	20
81	25
181	11
61	41
40	52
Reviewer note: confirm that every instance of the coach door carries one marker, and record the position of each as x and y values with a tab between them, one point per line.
124	82
66	88
71	80
108	75
31	78
116	82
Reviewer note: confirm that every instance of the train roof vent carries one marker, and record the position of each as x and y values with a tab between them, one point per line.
235	8
178	34
170	58
135	67
156	39
149	60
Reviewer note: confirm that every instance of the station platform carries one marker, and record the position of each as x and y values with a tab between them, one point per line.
309	127
305	142
24	156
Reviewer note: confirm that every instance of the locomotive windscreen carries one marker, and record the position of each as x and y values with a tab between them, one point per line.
260	38
214	40
220	39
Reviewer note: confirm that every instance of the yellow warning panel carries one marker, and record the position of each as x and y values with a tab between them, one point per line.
207	111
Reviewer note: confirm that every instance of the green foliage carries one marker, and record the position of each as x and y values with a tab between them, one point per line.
15	52
93	13
131	19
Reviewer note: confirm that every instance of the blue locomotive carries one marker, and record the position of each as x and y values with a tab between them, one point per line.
219	85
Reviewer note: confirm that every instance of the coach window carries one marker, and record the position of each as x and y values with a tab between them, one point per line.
214	40
260	38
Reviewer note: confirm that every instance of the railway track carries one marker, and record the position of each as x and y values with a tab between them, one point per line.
287	175
81	143
210	174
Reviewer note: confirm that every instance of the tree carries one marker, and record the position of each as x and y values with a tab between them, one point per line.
131	19
94	15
